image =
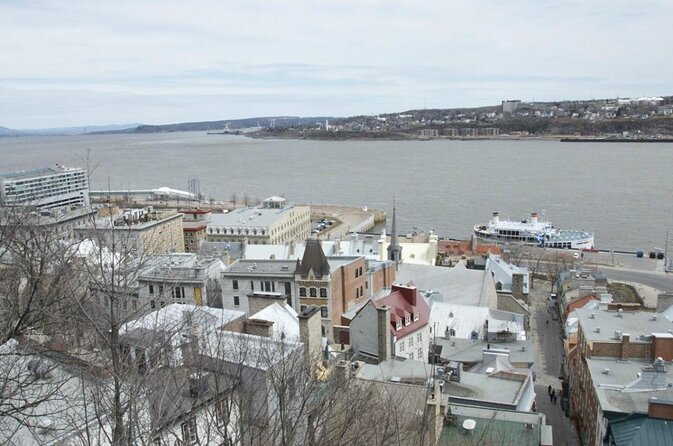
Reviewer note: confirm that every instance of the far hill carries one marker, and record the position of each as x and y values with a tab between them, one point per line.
232	124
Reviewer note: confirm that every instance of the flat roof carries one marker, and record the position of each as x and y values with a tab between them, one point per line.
633	323
622	390
44	171
251	217
498	387
470	351
245	267
501	427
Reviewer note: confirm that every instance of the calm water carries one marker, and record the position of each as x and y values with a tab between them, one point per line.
622	192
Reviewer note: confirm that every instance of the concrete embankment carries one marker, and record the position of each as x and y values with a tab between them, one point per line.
346	219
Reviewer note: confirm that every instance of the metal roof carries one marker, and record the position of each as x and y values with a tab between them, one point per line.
642	431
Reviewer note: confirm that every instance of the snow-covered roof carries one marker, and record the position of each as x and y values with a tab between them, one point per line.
455	285
284	318
174	318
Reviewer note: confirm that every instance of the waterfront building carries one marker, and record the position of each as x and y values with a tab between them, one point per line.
135	231
194	225
275	222
47	188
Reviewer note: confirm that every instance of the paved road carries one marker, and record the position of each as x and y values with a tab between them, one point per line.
660	281
549	358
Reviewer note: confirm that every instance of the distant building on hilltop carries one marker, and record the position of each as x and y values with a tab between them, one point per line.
511	106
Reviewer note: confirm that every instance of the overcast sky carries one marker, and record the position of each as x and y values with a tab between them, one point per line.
68	63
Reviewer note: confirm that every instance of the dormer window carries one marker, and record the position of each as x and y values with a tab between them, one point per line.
398	325
407	320
416	316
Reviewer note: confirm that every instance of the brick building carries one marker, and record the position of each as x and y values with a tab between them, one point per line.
620	362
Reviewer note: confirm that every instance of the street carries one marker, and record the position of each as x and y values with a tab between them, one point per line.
548	361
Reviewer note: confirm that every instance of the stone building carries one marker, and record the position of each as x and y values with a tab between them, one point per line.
136	231
275	222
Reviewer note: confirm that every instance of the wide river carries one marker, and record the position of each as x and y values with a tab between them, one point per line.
622	192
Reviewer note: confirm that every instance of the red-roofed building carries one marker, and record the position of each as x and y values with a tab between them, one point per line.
394	325
194	224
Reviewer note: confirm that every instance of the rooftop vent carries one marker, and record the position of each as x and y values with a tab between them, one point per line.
619	312
618	334
593	316
597	329
654	317
606	371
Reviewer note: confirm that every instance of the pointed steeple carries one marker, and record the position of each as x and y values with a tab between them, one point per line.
313	260
394	249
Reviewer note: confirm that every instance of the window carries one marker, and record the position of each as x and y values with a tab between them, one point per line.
357	272
135	305
416	316
411	342
323	292
178	292
163	304
151	289
302	292
360	270
252	285
234	284
237	301
313	292
401	344
419	338
288	288
189	434
452	332
407	320
361	291
161	289
398	324
419	354
323	311
357	292
153	304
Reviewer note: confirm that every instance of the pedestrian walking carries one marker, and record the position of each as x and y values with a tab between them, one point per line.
549	390
547	322
552	395
555	398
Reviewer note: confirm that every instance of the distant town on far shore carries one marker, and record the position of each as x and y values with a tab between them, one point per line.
618	119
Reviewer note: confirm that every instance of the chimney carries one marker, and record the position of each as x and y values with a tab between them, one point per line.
660	408
533	217
259	301
310	333
517	285
435	420
625	346
383	333
496	217
259	327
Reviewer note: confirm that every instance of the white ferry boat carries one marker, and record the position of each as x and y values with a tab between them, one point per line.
532	231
